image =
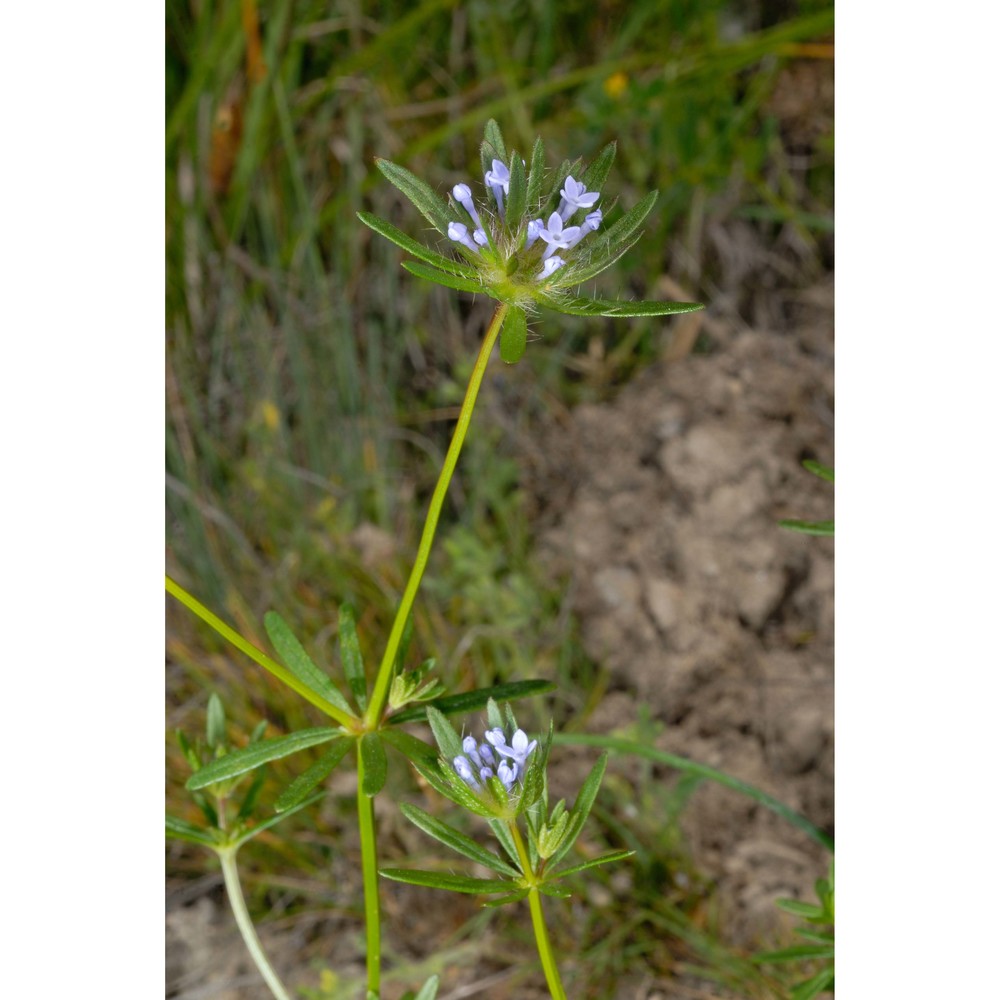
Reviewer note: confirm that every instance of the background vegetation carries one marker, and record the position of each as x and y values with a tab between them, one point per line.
311	383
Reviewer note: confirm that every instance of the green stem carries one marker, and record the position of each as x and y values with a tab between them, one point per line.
381	689
538	921
369	878
227	855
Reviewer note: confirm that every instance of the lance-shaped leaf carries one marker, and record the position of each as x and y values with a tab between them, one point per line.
215	723
594	862
514	335
448	740
297	791
473	701
514	897
373	764
536	176
453	883
180	829
455	281
409	746
627	225
293	653
429	990
457	841
597	173
411	246
274	820
581	808
493	146
350	656
502	832
427	201
594	263
616	307
441	777
517	195
240	761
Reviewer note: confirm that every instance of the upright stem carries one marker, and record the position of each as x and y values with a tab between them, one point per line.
381	689
369	878
227	855
538	921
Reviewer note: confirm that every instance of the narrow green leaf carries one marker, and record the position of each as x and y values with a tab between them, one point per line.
190	755
456	840
517	194
409	746
427	201
448	740
294	656
801	909
620	745
513	897
442	880
822	982
397	236
350	656
179	829
473	701
513	336
441	777
240	761
536	176
628	223
796	953
455	281
817	469
312	776
274	820
597	173
824	529
592	264
550	889
215	722
502	832
581	808
615	307
429	990
594	862
250	799
493	146
374	764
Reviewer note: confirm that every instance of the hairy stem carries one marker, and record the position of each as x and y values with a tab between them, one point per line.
369	877
381	690
227	855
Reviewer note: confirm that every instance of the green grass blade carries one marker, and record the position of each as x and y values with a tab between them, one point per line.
299	661
824	529
619	745
240	761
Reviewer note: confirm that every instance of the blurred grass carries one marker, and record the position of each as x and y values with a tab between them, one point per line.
311	384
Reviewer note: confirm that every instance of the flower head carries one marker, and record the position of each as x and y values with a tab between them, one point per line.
481	760
519	248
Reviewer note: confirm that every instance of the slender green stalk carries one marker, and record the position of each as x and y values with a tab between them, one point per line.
538	921
283	675
381	690
227	855
369	878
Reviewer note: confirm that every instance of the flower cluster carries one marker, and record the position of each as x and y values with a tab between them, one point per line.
493	756
554	232
524	244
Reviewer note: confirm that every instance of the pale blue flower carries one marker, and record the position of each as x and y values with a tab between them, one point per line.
480	762
556	236
507	773
459	232
575	195
550	267
498	181
462	193
519	746
535	226
464	771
